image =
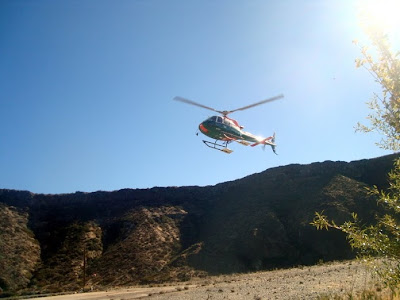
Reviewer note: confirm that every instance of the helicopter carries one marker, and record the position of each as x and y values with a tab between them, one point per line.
226	130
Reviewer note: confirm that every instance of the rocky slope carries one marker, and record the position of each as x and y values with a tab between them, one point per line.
136	236
19	250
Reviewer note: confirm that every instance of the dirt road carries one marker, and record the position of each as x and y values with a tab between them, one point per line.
297	283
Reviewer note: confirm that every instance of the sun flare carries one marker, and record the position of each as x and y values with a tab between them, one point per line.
382	15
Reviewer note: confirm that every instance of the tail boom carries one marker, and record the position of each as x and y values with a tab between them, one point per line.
267	141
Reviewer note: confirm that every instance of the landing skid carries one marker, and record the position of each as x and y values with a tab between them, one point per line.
221	147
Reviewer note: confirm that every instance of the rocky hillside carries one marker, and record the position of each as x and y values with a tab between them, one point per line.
19	250
65	242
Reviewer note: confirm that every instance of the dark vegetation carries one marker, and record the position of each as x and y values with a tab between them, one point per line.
52	243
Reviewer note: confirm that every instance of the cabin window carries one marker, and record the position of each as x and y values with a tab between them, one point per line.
219	120
213	119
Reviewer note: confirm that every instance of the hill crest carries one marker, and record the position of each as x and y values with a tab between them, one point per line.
173	233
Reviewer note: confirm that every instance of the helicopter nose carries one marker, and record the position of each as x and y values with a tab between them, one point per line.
202	128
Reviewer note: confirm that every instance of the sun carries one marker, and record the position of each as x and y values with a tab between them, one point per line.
382	15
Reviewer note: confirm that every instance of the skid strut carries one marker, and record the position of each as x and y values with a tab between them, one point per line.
221	147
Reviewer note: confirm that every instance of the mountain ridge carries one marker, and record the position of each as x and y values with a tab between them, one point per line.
132	236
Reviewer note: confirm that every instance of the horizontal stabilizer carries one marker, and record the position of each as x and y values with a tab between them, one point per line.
267	141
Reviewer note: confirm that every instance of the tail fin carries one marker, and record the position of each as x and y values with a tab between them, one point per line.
273	146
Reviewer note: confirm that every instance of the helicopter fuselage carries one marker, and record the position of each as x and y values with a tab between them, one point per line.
226	129
222	128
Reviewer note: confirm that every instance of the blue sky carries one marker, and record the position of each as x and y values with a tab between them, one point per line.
86	89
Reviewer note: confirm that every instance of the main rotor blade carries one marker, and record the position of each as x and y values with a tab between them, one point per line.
184	100
255	104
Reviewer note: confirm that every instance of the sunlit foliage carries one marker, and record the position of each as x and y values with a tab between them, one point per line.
383	238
